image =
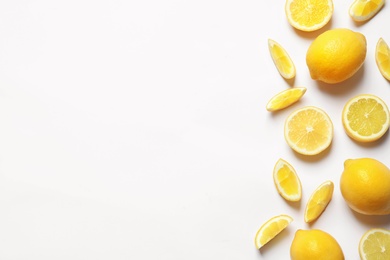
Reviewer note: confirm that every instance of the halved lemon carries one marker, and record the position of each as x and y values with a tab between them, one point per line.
285	98
375	245
286	181
363	10
365	118
318	201
270	229
282	60
309	15
382	58
308	130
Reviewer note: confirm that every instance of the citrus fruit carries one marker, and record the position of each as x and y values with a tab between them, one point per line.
308	15
382	58
365	186
281	59
286	181
285	98
308	130
365	118
318	201
363	10
270	229
375	245
336	55
315	244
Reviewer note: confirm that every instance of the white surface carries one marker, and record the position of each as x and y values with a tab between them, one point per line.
138	129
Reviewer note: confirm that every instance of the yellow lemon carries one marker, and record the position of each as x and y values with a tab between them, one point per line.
281	59
285	98
315	244
308	15
366	118
336	55
363	10
286	181
270	229
375	245
382	58
318	201
365	186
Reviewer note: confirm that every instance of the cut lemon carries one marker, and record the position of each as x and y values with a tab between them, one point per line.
318	201
270	229
363	10
308	130
365	118
282	60
308	15
286	181
375	245
285	99
382	58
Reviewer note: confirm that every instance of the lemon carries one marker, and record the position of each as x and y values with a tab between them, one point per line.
308	15
363	10
270	229
285	98
281	59
308	130
375	245
366	118
287	181
318	201
315	244
382	58
336	55
365	186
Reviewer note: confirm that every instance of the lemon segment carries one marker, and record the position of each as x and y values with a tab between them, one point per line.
308	15
315	244
318	201
363	10
365	118
281	59
271	228
375	245
287	181
285	99
382	58
308	130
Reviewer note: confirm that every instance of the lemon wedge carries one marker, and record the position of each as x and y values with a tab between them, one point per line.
271	228
281	59
382	58
363	10
318	201
285	99
286	181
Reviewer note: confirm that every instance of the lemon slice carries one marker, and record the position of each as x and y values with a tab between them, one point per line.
285	99
318	201
308	130
365	118
382	58
375	245
363	10
308	15
270	229
286	181
282	60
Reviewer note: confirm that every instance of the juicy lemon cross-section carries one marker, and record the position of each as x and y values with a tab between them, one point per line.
365	118
308	15
287	181
375	245
308	130
318	201
382	58
363	10
271	228
281	59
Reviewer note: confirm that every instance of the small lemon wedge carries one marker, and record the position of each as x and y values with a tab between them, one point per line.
363	10
281	59
382	58
286	181
285	98
318	201
271	228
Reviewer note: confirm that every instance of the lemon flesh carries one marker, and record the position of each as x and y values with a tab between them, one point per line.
382	58
286	181
375	245
336	55
318	201
363	10
281	59
270	229
285	99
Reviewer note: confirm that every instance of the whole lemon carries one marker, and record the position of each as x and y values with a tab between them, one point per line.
365	186
315	244
336	55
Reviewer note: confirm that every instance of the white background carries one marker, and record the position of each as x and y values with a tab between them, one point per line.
138	129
